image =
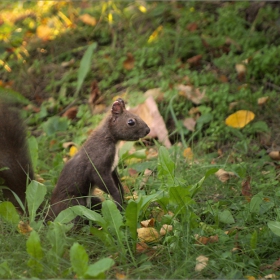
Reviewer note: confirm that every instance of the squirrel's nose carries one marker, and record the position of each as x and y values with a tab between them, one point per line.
147	130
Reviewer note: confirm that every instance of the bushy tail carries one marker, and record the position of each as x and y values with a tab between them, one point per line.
15	164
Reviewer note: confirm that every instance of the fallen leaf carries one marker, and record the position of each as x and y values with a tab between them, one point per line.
68	63
233	104
270	276
188	154
195	60
128	64
67	145
246	188
194	95
44	32
120	276
73	150
149	112
155	34
223	79
148	223
241	71
165	229
71	113
189	123
147	174
141	247
249	277
88	19
275	155
205	240
24	227
192	26
201	263
240	118
262	100
95	94
148	234
223	175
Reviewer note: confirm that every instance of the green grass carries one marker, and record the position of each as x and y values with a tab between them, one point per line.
224	34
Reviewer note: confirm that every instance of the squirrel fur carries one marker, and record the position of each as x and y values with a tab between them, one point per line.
15	164
94	165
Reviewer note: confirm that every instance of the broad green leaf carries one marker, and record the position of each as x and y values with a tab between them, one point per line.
98	269
85	66
35	194
33	148
79	259
180	196
69	214
9	213
256	202
57	237
55	124
106	238
112	216
34	249
131	214
5	271
274	227
226	217
166	166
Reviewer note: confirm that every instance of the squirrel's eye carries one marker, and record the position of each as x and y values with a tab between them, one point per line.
131	122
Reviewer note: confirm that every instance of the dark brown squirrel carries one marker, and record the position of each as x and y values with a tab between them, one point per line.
95	163
15	164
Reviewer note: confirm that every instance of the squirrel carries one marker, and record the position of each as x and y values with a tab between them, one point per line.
93	166
15	164
95	163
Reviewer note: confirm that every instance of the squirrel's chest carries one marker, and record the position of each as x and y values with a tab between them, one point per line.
116	157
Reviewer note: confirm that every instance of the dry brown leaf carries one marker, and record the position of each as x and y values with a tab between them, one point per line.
195	60
149	112
275	155
94	96
192	26
262	100
128	64
148	234
148	223
68	63
194	95
71	113
201	263
88	19
151	153
120	276
141	247
188	154
270	276
241	71
147	174
24	227
246	188
223	175
206	240
223	79
189	123
165	229
233	104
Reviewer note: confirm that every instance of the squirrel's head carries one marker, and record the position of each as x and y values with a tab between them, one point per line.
124	125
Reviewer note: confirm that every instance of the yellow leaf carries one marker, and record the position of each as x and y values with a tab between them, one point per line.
142	9
110	18
155	34
24	228
148	234
240	118
249	277
88	19
188	154
73	151
44	32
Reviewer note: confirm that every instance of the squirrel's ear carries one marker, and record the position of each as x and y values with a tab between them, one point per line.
121	102
117	107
